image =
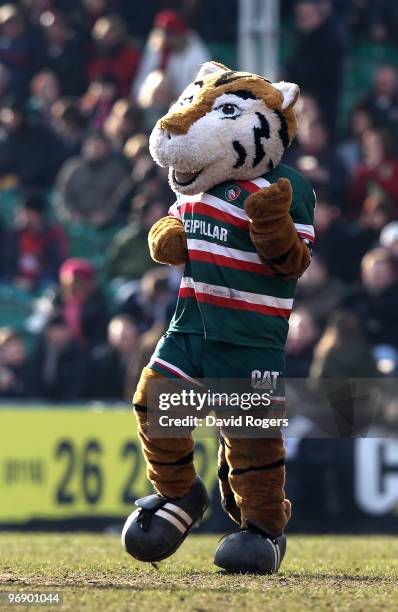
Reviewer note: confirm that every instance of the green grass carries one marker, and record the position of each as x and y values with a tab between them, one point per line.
93	573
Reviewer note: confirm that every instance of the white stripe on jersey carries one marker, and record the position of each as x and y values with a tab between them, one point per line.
260	182
174	212
218	249
305	229
217	203
171	367
234	294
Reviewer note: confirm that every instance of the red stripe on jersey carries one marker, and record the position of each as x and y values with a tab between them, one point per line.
229	262
308	236
205	209
248	186
187	292
232	303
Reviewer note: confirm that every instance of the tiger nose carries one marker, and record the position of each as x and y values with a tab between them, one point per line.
174	125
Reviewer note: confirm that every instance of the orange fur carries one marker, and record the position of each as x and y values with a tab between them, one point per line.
272	229
167	241
259	494
161	454
179	121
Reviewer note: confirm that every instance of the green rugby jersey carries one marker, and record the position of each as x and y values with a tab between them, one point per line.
226	292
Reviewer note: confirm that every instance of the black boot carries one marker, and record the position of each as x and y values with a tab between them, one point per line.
251	551
161	524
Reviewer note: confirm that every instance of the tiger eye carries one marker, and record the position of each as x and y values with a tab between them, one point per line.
228	109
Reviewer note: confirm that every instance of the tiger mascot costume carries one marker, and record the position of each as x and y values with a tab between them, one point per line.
242	225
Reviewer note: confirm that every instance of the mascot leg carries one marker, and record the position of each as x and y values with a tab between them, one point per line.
257	479
227	495
163	520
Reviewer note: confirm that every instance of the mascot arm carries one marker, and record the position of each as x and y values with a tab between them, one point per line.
167	242
272	230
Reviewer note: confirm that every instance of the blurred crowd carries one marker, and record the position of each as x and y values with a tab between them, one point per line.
82	82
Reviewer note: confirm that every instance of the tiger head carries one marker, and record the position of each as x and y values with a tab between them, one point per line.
225	125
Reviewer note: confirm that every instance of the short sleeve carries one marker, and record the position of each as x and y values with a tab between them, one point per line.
302	210
174	210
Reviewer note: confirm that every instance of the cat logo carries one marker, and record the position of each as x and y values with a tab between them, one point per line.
266	379
232	192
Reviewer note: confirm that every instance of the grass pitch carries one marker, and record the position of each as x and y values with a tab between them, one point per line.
93	573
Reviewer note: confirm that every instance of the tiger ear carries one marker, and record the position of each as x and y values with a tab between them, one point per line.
290	93
209	68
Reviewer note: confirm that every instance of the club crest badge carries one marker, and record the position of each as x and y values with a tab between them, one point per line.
232	192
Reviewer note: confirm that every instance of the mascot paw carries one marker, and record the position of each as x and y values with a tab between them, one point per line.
167	242
250	552
160	525
276	198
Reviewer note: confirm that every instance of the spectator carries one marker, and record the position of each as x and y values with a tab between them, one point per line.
302	337
349	150
29	151
17	49
45	91
330	230
128	255
64	53
152	302
114	54
70	125
36	248
318	292
375	214
146	179
376	21
14	374
59	366
86	183
314	157
97	103
376	301
125	120
317	59
174	50
111	363
35	9
343	352
307	109
94	9
378	173
81	303
381	103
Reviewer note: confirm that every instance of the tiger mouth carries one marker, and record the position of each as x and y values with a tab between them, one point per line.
185	178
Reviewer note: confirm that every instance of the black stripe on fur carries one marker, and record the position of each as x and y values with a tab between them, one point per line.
283	131
228	502
183	461
139	408
260	132
245	94
278	261
258	468
222	472
227	77
242	154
